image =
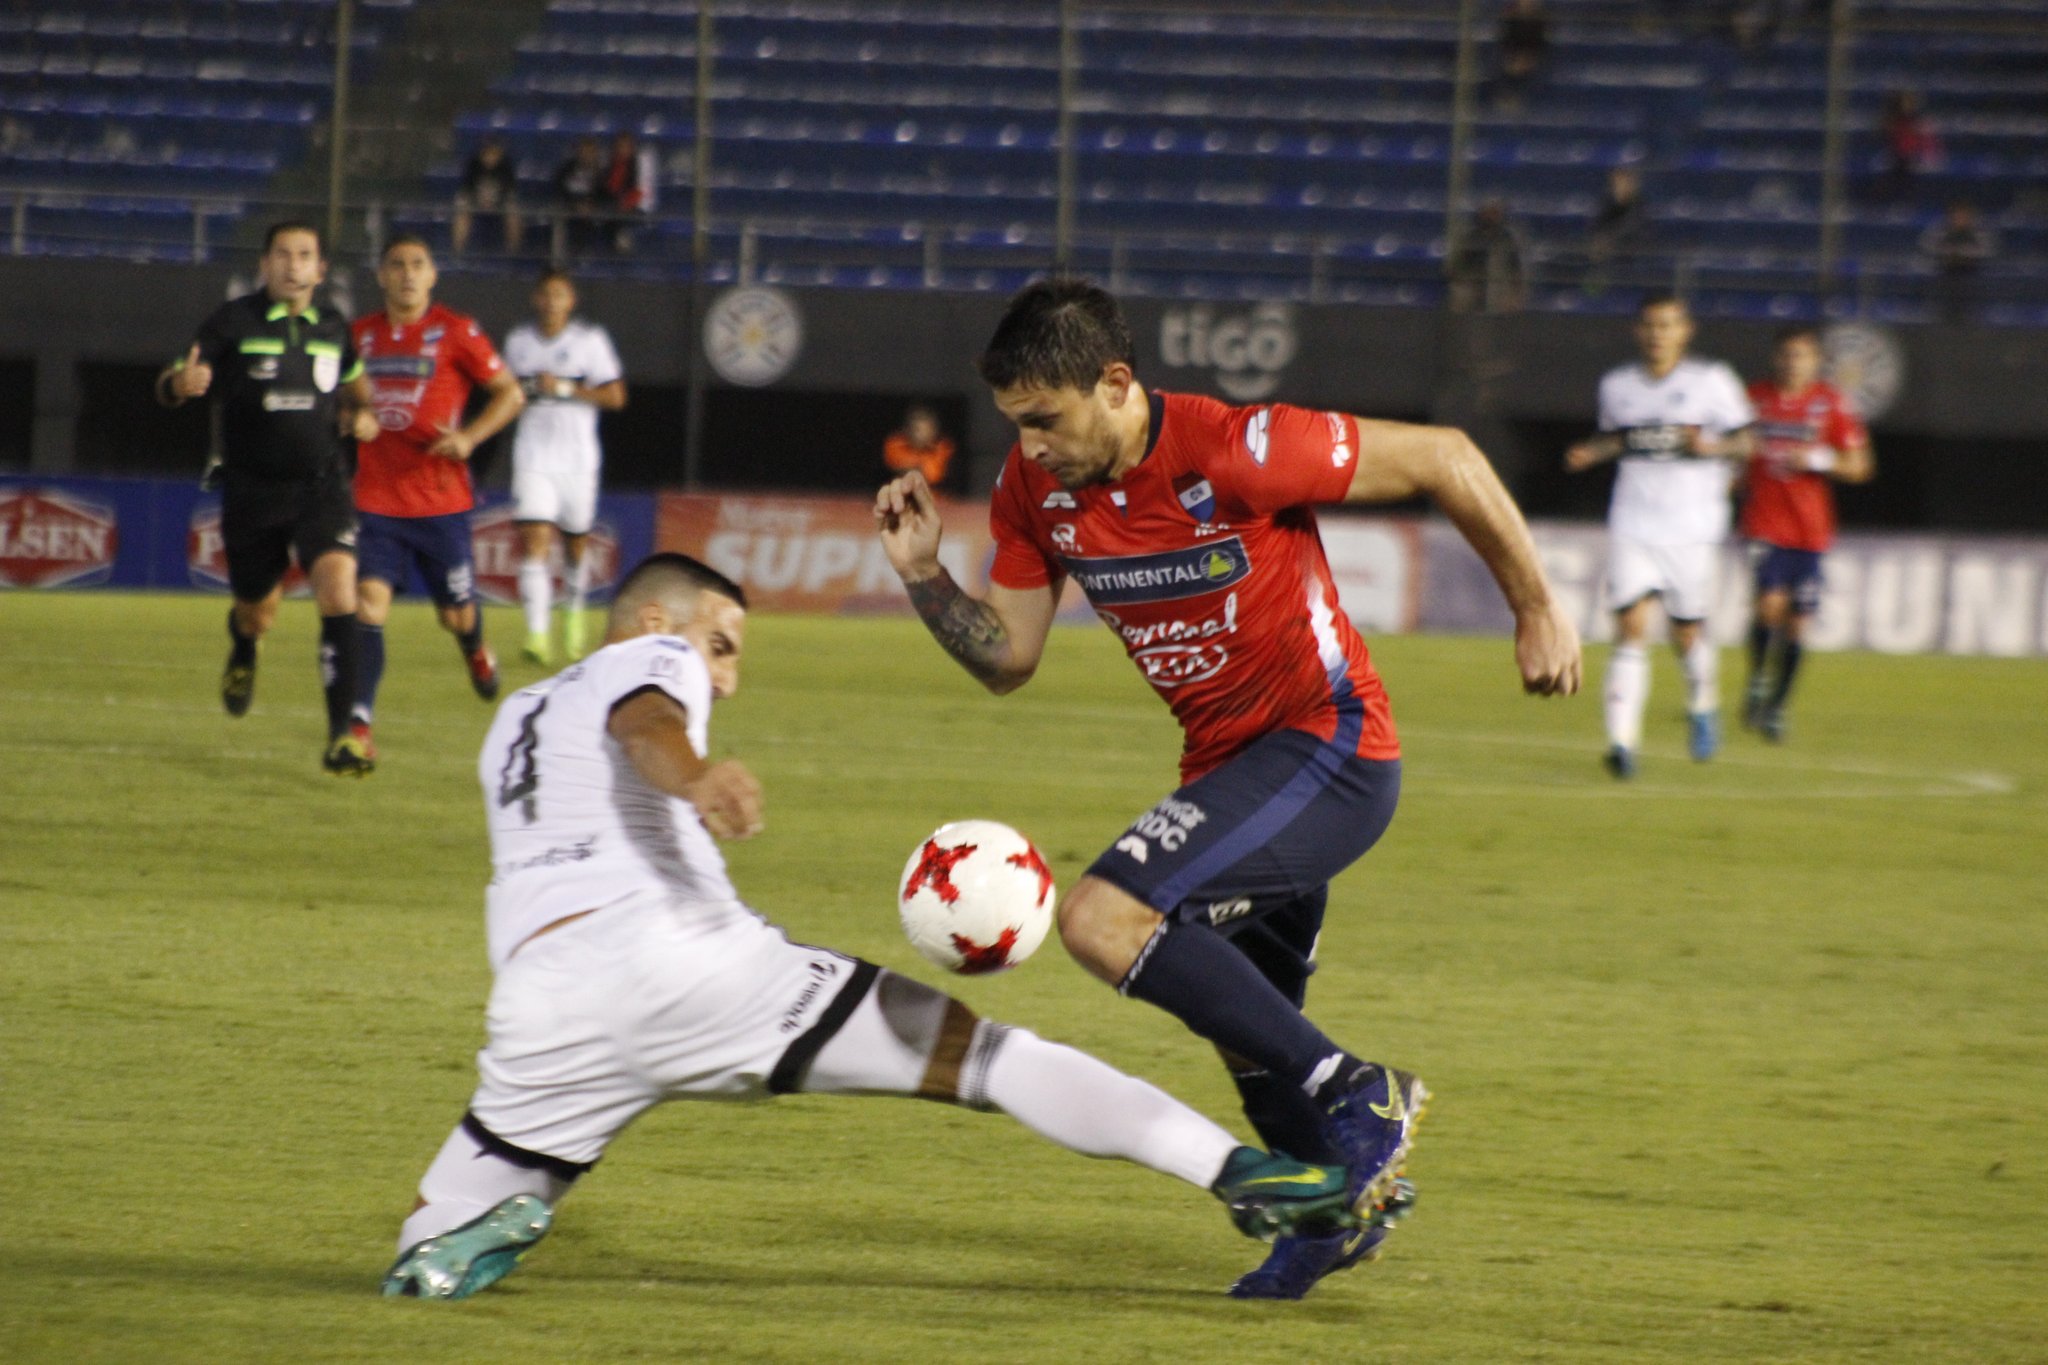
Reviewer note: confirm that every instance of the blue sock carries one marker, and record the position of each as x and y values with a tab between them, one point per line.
369	670
1193	974
1286	1119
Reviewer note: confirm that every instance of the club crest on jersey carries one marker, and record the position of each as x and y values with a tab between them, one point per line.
1064	538
1059	497
1255	436
1175	574
1196	497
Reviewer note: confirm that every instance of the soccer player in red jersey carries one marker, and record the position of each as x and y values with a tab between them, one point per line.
1190	526
412	483
1809	434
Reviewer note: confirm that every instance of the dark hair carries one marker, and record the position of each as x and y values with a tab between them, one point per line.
276	230
1798	331
1663	301
399	239
1058	333
553	273
668	571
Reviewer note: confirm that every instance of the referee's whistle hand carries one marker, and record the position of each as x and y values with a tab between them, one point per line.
194	377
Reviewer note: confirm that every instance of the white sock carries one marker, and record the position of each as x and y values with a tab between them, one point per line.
535	592
1702	665
579	583
466	1182
1090	1107
1628	692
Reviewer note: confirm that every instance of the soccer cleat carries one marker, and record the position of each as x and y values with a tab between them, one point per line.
474	1256
538	650
1754	704
1274	1196
1620	761
351	754
360	730
1373	1123
1702	735
237	686
483	672
1297	1264
1772	724
574	634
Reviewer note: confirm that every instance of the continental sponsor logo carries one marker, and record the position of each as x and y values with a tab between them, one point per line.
1167	577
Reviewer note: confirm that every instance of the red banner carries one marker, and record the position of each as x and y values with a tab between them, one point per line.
49	538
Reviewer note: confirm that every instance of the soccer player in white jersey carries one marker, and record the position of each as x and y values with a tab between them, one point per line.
1679	426
629	972
570	372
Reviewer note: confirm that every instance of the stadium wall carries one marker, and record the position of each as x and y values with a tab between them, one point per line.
1893	594
1960	414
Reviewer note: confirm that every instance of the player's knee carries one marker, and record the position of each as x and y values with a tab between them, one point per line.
1103	928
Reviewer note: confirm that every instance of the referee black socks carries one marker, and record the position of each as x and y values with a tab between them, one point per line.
340	660
243	654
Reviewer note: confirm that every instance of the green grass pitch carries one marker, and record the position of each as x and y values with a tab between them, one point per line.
1747	1061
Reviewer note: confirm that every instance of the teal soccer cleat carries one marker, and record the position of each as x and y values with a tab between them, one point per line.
475	1256
1274	1196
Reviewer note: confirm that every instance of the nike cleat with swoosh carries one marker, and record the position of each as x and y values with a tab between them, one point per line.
1373	1124
1297	1264
1273	1196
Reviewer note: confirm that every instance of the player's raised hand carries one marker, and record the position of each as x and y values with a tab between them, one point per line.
452	444
194	377
728	797
907	516
1547	651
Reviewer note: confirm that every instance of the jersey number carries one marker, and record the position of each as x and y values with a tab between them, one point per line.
520	757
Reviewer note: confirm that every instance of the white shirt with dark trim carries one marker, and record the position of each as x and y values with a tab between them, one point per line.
1661	495
560	432
573	826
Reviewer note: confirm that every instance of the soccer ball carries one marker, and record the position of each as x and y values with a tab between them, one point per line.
975	897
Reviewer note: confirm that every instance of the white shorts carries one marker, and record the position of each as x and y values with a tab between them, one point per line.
593	1023
560	493
1685	576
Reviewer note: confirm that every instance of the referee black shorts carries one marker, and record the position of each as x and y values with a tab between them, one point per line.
263	523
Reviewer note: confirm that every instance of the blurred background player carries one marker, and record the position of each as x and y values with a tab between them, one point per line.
1188	523
284	375
1675	423
919	444
413	488
1807	434
632	973
569	372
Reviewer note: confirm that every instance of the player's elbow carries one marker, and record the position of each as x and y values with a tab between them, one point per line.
1005	679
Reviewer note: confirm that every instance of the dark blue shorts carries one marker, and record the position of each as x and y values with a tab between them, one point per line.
1249	848
1795	571
389	548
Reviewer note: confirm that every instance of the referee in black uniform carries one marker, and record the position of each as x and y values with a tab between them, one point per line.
285	376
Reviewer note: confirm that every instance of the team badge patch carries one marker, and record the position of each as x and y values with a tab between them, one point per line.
1196	497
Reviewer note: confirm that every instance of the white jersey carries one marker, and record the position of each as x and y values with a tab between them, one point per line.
573	825
1661	495
560	430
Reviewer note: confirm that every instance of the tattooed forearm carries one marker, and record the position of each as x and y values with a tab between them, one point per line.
965	628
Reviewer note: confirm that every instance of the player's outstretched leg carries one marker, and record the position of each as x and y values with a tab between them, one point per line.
458	1263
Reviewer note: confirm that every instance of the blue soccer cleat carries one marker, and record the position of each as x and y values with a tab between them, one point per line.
1373	1123
1297	1264
474	1256
1703	735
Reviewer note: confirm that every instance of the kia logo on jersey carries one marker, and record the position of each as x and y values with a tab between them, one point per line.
1197	498
48	539
1166	577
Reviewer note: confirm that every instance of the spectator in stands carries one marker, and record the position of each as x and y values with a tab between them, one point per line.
1958	245
919	445
579	196
1524	46
1486	268
629	188
1911	146
488	200
1621	229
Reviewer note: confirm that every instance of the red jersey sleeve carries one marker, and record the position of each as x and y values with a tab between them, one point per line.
1280	456
475	356
1019	562
1845	427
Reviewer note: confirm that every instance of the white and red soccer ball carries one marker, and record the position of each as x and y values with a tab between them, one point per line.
976	897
